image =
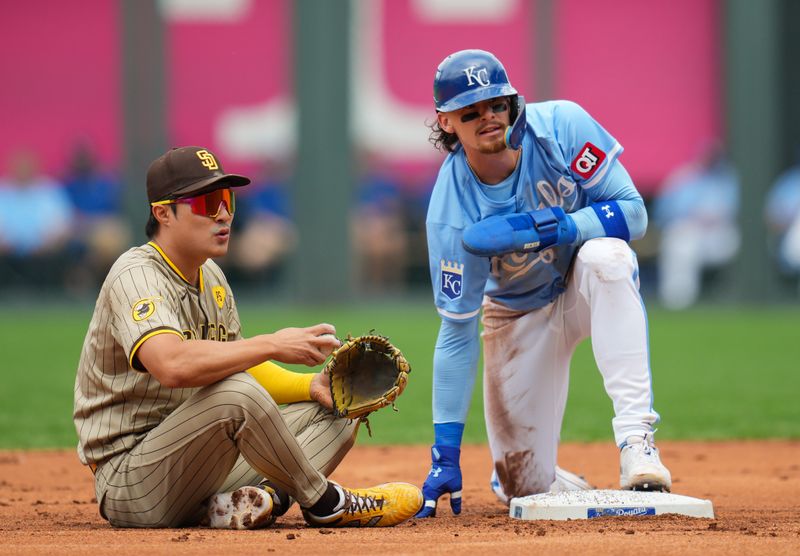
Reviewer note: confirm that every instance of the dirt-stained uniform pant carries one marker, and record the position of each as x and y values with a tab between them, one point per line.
227	435
527	358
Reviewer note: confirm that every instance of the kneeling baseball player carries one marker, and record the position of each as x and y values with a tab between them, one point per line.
174	430
529	222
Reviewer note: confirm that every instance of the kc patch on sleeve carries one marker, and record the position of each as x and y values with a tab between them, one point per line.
452	278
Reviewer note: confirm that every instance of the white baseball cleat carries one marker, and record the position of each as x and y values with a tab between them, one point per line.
248	507
641	467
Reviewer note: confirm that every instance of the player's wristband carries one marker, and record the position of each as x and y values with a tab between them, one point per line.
613	220
448	434
284	386
554	226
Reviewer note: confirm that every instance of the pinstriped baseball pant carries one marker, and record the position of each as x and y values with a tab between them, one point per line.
229	434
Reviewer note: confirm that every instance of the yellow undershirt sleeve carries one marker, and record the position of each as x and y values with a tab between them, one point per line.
283	385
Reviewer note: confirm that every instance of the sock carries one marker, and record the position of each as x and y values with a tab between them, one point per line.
330	501
281	501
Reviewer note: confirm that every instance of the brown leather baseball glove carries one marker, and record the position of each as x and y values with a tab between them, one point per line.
367	373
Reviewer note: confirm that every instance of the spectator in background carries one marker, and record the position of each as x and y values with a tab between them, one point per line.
790	247
783	219
267	233
696	212
378	229
36	223
417	189
100	233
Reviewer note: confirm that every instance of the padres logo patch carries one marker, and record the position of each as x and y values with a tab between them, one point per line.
219	295
144	308
207	159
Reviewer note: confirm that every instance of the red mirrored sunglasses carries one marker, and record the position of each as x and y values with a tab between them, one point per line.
206	205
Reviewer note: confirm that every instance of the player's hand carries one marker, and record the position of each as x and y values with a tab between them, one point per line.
444	478
320	390
307	346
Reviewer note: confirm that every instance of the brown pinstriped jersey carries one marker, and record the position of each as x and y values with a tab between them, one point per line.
116	400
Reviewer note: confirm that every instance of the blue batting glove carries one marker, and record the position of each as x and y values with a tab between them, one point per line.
520	232
444	478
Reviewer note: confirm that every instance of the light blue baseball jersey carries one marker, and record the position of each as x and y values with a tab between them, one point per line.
567	160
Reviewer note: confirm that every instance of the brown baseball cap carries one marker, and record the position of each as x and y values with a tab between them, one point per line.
187	171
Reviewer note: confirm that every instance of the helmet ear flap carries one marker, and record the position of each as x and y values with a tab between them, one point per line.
514	132
513	111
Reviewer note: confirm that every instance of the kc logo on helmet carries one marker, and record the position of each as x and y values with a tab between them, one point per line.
479	76
588	161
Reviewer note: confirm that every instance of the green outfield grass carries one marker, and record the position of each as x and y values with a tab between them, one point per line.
718	373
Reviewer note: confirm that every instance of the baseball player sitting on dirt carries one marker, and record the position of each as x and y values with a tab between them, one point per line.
529	222
174	430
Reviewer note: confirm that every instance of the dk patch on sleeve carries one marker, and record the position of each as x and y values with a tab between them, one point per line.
144	308
589	159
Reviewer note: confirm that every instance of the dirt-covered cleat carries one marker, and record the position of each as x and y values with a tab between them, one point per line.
641	467
248	507
380	506
565	481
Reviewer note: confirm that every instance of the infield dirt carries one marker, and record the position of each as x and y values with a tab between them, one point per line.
47	507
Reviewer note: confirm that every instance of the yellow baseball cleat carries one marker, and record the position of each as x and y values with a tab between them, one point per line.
380	506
